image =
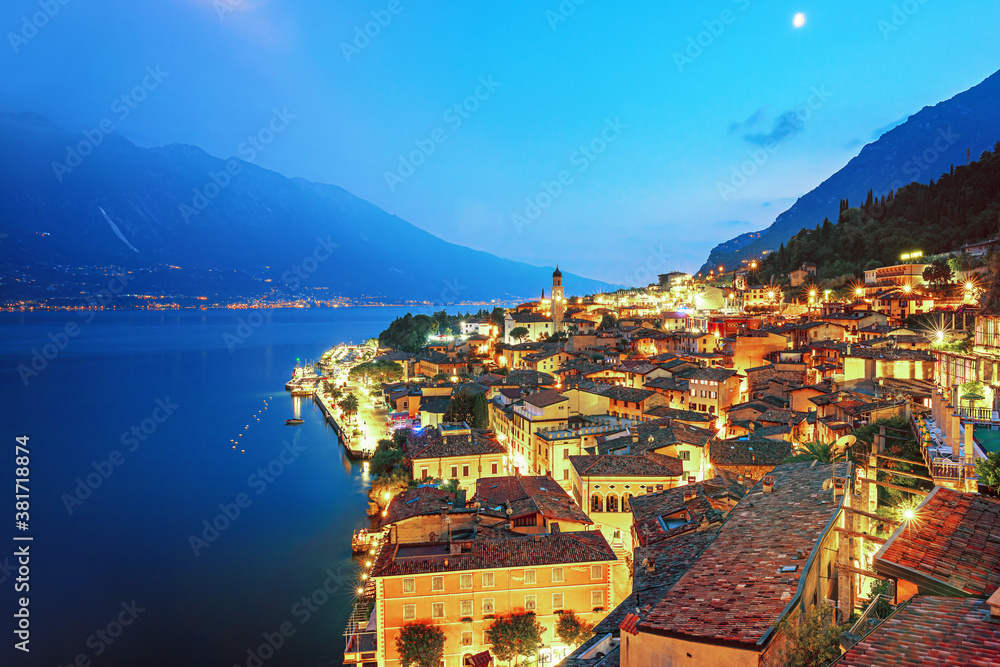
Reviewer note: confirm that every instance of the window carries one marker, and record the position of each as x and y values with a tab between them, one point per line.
437	609
596	503
529	577
530	602
423	473
465	581
596	571
437	583
409	612
557	575
466	639
494	468
466	609
487	580
487	605
685	455
612	502
565	453
454	472
409	585
465	471
596	598
557	601
565	474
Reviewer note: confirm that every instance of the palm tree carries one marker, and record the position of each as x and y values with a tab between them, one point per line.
349	404
819	451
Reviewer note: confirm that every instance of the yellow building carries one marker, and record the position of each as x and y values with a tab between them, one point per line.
461	587
452	450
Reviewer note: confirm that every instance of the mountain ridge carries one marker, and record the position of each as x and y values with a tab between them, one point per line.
926	144
177	205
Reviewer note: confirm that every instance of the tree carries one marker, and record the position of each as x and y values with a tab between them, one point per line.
480	412
573	630
349	404
988	470
938	272
519	333
818	451
811	639
516	636
608	322
420	644
497	317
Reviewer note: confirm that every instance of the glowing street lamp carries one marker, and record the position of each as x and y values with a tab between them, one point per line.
859	292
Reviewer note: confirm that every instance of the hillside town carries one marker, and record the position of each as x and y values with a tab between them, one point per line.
711	470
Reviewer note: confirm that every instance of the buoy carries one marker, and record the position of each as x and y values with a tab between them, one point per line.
234	446
243	451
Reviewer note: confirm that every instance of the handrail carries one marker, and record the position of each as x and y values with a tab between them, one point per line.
873	611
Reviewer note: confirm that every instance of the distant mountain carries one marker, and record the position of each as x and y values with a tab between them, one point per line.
189	226
918	150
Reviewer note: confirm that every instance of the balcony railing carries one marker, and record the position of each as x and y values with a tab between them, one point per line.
880	608
980	415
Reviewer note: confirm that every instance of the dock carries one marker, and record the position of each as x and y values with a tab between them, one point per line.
355	452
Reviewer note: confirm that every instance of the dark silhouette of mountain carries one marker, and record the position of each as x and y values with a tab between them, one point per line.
918	150
235	230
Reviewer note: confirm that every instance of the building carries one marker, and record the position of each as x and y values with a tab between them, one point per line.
605	484
899	275
463	585
558	300
517	423
535	503
863	363
774	556
455	451
539	326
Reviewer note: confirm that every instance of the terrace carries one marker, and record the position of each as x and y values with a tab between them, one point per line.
950	445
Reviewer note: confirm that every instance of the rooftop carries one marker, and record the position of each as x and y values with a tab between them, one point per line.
931	631
511	551
431	443
760	452
648	464
951	548
529	495
737	590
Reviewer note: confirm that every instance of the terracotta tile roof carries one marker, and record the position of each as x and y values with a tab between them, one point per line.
545	398
757	452
735	591
531	494
952	546
647	464
931	631
429	444
660	411
422	501
618	393
708	374
630	624
487	554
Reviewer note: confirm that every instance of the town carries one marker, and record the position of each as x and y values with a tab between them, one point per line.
711	470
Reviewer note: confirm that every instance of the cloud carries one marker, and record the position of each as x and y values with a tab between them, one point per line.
754	121
783	127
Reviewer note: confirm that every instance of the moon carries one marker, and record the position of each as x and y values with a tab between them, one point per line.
799	20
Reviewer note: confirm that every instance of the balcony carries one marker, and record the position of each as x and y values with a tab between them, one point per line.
945	467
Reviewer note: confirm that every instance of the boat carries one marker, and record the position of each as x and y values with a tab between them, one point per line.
294	422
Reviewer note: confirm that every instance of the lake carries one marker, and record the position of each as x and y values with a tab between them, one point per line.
155	542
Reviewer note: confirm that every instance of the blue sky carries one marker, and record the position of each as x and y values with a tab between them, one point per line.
588	133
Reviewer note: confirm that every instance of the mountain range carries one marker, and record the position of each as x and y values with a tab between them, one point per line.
187	223
918	150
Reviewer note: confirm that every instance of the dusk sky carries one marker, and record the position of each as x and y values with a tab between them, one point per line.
675	117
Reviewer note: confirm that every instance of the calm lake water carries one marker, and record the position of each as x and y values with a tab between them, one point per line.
130	538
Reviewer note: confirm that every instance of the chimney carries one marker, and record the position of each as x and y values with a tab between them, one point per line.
690	494
994	603
768	484
455	548
554	528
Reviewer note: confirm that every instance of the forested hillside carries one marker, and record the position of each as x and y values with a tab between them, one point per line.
961	207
